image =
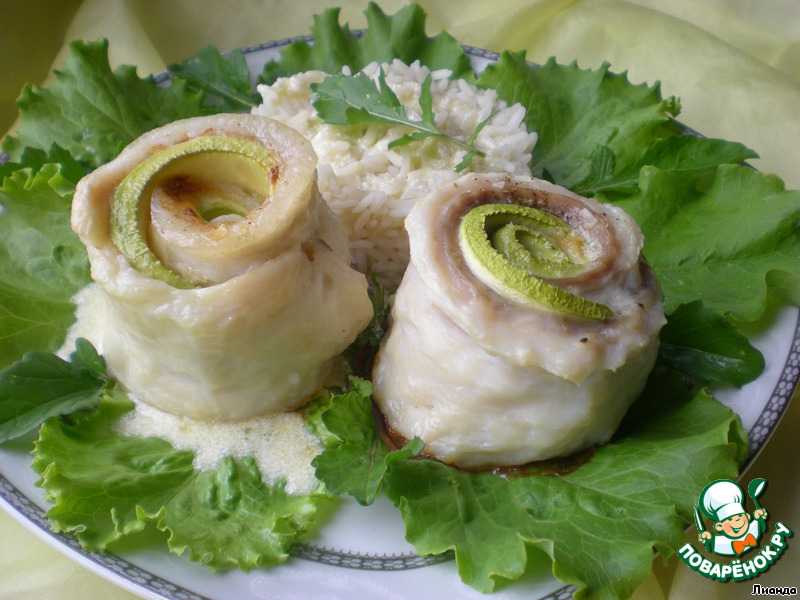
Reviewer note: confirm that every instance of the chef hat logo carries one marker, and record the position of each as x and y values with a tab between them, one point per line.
722	499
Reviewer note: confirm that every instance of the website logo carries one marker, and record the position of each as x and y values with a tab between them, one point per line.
734	532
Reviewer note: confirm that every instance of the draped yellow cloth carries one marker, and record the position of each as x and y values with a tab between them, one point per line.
735	64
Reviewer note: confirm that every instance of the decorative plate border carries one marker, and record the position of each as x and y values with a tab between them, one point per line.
122	568
782	393
760	433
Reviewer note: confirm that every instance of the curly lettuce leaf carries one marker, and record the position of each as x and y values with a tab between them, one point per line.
35	159
599	523
686	153
715	230
42	385
357	461
229	518
598	134
106	488
728	237
591	124
387	37
705	346
225	79
596	130
92	112
42	262
96	480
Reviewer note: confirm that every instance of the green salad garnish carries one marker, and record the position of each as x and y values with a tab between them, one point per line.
352	100
722	238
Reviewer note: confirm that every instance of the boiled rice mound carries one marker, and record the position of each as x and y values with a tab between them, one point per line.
372	188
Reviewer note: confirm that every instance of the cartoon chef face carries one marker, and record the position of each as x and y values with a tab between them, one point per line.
723	501
734	526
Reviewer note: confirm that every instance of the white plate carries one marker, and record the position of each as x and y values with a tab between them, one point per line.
361	553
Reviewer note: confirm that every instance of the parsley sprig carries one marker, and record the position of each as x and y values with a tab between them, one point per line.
357	100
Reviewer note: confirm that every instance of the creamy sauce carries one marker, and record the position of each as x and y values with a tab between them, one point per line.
281	444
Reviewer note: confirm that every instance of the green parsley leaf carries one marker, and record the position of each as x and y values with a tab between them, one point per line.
355	100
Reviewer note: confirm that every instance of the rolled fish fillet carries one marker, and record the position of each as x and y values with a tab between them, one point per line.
525	326
225	280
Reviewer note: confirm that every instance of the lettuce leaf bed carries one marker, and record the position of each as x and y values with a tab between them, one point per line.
721	236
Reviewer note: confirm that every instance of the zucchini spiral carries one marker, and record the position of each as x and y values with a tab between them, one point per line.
524	327
224	280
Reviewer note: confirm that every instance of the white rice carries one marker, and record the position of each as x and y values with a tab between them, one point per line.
372	188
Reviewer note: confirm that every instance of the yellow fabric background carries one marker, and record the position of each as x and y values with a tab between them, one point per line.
735	64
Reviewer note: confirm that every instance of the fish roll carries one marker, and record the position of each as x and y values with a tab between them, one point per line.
223	281
523	329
